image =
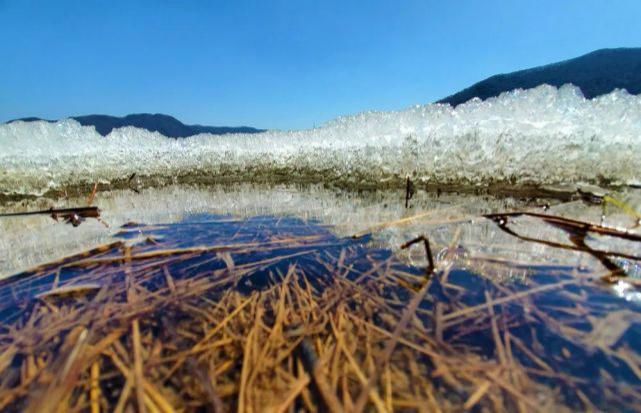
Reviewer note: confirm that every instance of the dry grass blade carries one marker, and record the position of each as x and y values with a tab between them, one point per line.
138	373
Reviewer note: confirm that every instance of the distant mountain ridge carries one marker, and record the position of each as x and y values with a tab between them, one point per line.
165	124
595	73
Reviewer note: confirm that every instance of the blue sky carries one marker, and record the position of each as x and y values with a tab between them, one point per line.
281	64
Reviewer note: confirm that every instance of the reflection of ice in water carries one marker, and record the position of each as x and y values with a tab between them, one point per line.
541	135
625	290
479	245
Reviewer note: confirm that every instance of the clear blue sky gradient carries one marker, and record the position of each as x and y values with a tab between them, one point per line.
281	64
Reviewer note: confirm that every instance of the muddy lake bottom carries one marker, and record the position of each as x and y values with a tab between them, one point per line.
302	299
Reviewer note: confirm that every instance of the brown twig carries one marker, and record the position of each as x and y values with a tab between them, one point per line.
428	252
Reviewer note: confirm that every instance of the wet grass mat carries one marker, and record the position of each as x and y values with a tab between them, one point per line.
279	314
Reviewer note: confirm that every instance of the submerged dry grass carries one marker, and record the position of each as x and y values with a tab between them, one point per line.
279	315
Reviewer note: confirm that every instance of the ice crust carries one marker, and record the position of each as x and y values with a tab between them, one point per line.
538	136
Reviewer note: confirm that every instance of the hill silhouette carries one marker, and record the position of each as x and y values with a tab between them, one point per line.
165	124
595	73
